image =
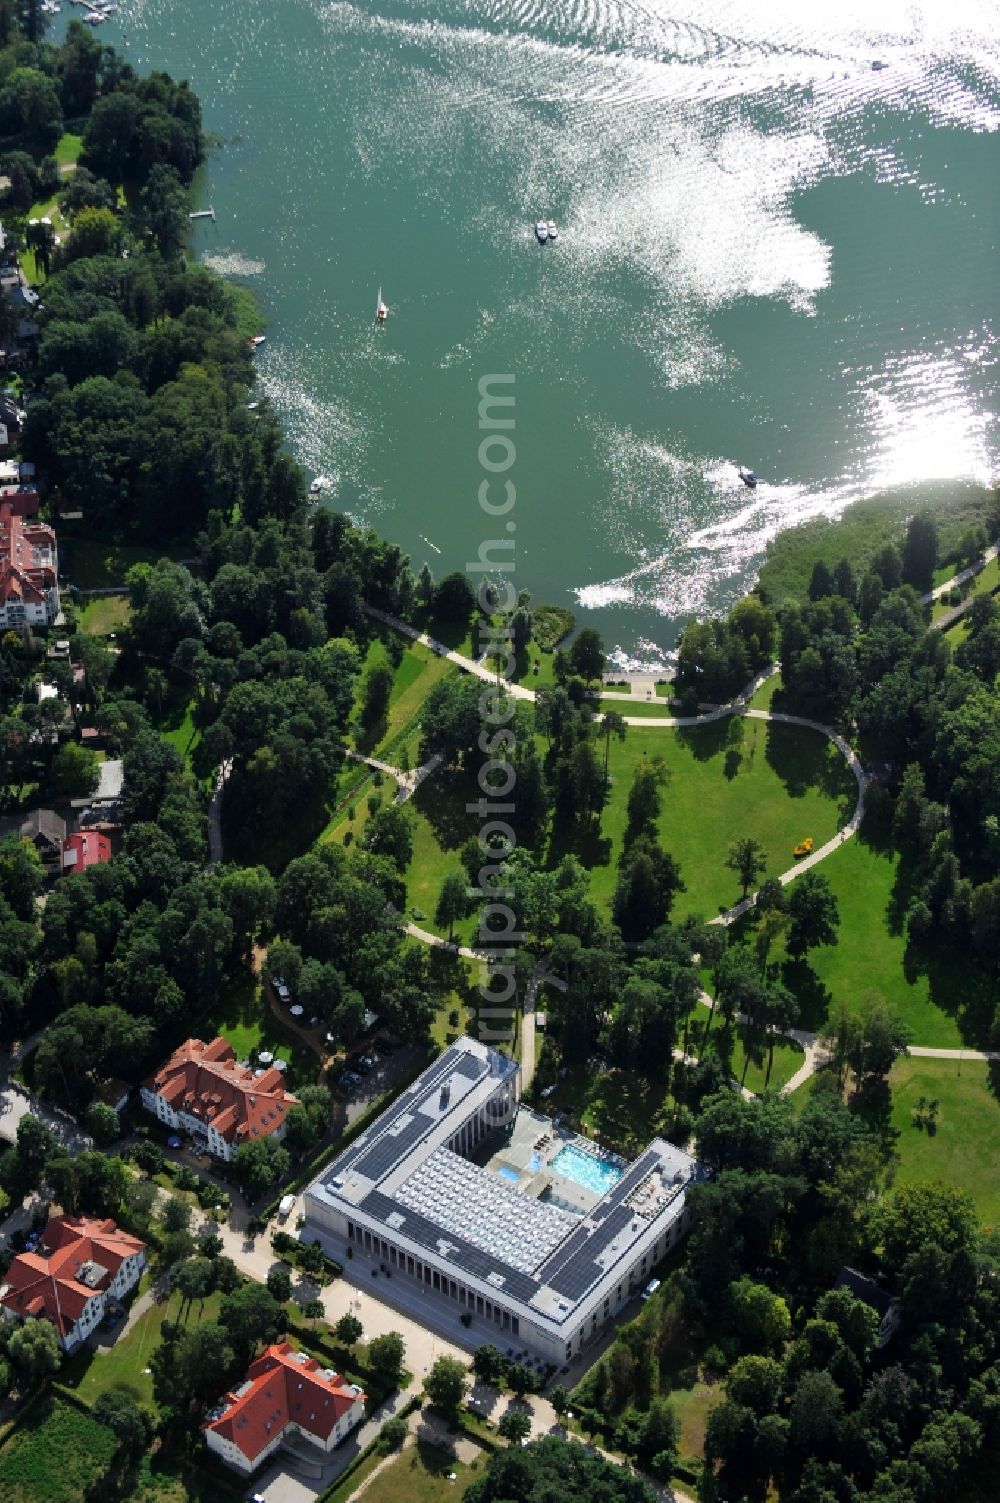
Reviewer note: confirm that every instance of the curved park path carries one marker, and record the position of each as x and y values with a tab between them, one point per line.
813	1052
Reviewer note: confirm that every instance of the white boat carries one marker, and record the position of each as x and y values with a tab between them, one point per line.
320	484
381	311
95	18
541	232
552	229
257	339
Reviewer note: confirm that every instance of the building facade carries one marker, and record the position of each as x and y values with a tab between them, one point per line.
203	1091
29	567
82	1267
286	1393
521	1260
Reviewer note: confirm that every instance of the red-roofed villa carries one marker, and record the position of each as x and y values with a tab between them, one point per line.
85	848
80	1269
285	1393
29	589
202	1090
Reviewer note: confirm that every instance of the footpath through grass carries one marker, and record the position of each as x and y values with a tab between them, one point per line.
728	779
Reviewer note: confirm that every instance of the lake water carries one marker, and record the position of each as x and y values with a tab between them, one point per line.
772	253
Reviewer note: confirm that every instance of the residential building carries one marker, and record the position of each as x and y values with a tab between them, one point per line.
46	831
878	1299
85	848
80	1269
285	1393
202	1090
29	588
531	1234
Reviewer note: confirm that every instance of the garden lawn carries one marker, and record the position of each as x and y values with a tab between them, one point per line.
175	723
243	1018
693	1406
648	709
420	1475
104	614
122	1365
964	1148
55	1456
868	957
68	149
778	784
356	785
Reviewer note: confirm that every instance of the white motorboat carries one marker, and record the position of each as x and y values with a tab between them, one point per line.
319	485
541	232
381	310
552	229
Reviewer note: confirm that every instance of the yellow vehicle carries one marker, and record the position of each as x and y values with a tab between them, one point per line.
804	848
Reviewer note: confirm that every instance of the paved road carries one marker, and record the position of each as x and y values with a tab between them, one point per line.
408	782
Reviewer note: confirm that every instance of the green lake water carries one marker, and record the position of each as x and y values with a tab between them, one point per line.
771	254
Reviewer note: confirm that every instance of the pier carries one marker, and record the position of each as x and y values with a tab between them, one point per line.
208	213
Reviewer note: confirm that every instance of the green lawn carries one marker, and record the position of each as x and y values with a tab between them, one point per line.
778	784
693	1406
55	1456
68	149
175	723
418	671
420	1475
647	708
870	958
104	614
788	1056
964	1150
243	1018
123	1365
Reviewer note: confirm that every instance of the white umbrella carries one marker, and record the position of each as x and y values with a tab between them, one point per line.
296	1011
265	1057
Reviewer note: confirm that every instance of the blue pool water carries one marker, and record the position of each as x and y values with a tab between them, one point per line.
584	1169
506	1173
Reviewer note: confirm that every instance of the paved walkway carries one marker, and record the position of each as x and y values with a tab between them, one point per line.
471	665
961	577
408	782
215	813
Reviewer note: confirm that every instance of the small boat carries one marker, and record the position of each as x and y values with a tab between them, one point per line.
319	485
256	340
749	478
541	232
381	311
552	229
95	18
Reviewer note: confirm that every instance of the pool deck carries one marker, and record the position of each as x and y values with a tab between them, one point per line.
525	1156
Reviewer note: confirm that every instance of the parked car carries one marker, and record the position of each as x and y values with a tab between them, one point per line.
347	1079
282	990
650	1289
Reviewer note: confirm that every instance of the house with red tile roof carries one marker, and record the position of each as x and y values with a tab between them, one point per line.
85	848
81	1268
29	588
285	1393
202	1090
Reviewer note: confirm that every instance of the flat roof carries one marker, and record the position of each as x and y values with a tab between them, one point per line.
400	1176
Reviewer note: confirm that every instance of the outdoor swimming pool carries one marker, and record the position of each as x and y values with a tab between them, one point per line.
510	1174
584	1169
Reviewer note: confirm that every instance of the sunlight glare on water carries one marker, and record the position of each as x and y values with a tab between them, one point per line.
778	237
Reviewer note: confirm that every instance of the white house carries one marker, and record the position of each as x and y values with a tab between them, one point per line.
285	1393
81	1268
